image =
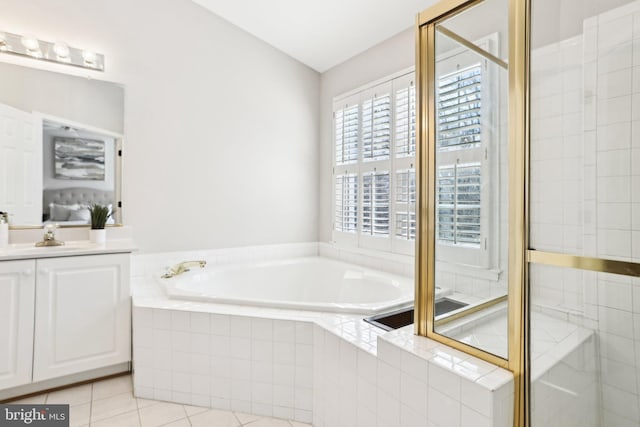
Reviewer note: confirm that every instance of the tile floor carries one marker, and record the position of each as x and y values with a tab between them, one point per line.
110	403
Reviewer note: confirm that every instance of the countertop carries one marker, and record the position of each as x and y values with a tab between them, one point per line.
70	248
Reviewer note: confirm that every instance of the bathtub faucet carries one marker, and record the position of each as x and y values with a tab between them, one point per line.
182	268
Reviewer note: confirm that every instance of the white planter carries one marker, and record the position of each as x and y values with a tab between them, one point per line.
98	236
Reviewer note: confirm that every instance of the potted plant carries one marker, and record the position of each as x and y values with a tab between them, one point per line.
99	216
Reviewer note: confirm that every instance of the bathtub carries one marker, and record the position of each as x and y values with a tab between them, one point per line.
310	283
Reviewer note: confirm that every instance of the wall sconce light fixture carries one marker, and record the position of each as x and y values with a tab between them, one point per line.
58	52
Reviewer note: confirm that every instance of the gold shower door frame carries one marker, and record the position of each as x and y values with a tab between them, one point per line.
520	254
518	144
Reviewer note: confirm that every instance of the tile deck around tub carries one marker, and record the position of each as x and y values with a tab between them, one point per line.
332	372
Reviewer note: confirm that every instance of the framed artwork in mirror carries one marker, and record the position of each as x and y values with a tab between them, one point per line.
79	159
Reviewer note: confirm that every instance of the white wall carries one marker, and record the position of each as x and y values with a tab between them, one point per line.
388	57
221	129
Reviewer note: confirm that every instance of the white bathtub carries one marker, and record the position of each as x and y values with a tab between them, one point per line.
312	283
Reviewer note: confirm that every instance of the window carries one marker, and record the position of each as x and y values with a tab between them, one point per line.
459	128
466	128
374	174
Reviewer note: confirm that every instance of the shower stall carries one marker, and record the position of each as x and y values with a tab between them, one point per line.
529	130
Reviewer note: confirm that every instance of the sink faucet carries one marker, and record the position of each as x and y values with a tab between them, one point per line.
49	237
182	268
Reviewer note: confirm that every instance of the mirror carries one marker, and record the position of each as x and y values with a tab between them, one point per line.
471	241
61	138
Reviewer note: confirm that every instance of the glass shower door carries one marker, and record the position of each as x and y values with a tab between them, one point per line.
584	213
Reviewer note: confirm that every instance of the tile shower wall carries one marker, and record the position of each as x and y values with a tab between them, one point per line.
557	158
585	165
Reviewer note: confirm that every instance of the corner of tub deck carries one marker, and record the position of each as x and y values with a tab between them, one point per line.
454	376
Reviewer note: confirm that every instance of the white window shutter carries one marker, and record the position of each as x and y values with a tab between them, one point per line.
376	127
346	203
346	134
376	204
459	108
459	207
405	206
405	119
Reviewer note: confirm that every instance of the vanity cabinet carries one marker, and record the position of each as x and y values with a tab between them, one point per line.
63	316
82	315
17	287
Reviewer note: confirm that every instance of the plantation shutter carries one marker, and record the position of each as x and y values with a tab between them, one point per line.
459	204
346	203
376	127
459	149
375	203
459	105
373	170
405	211
346	137
405	123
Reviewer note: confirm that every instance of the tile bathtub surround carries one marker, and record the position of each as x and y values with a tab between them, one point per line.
249	364
110	403
332	369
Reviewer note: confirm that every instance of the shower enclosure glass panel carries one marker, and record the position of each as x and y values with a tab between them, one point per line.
584	212
471	109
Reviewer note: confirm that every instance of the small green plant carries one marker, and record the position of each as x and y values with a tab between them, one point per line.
99	216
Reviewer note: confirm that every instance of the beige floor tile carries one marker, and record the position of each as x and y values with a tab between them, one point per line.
79	415
143	403
128	419
214	417
111	406
71	396
193	410
180	423
111	387
246	418
299	424
269	422
162	413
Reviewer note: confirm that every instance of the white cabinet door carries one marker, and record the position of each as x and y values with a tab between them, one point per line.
17	286
83	314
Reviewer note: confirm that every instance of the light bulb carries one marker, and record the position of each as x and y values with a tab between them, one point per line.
61	50
31	44
89	57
